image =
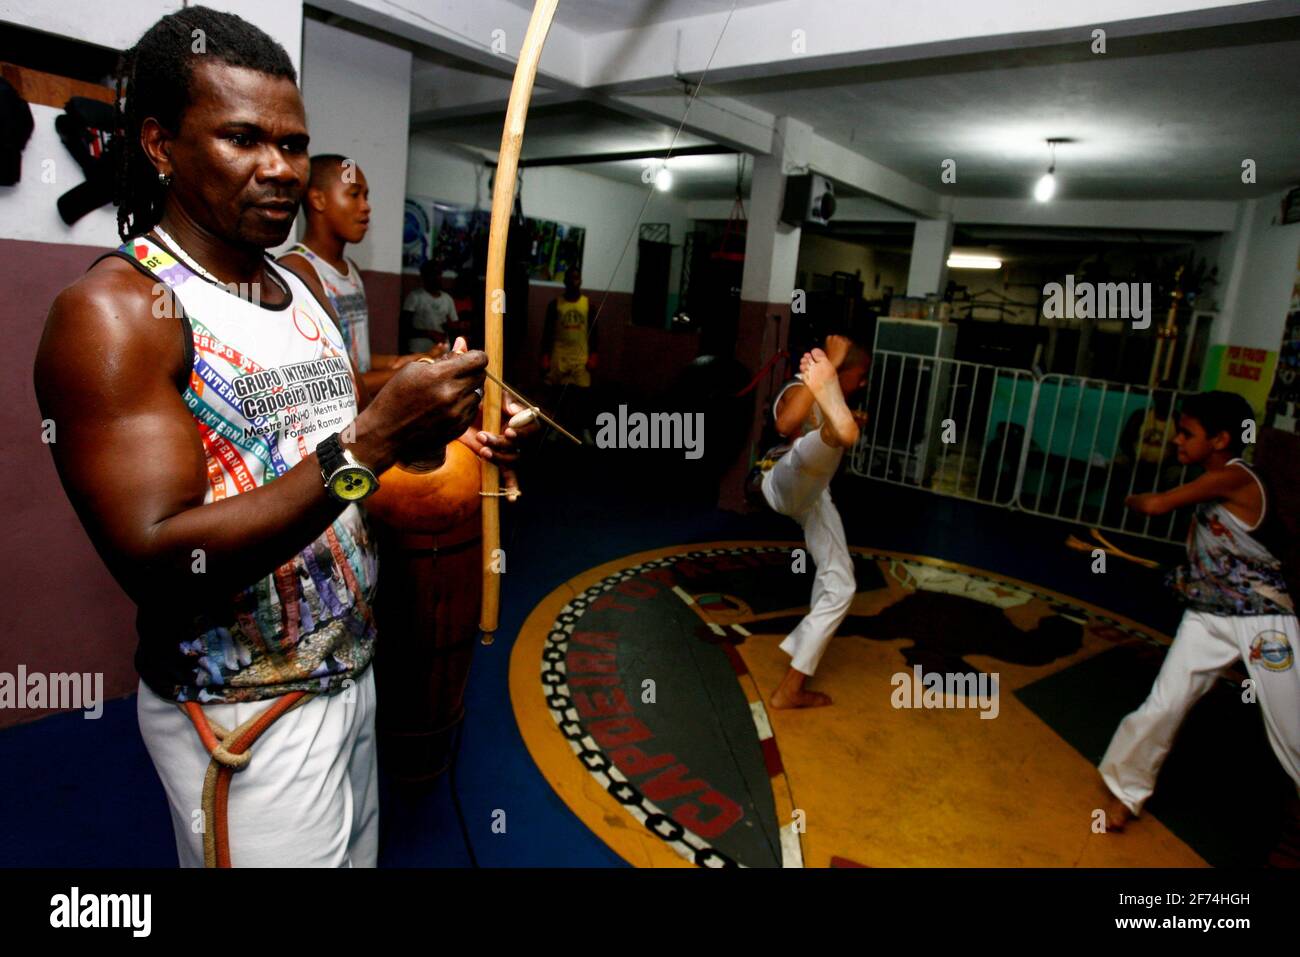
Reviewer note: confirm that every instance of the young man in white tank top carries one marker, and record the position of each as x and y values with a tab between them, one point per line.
337	207
1238	607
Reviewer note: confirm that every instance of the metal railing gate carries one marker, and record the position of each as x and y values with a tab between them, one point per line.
1065	447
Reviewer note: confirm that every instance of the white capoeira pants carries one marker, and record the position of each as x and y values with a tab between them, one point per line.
308	798
1204	646
799	486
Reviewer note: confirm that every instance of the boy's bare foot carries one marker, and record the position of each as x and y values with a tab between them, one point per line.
837	348
790	693
1116	811
839	428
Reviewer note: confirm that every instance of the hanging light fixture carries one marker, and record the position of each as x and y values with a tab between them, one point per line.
1045	188
664	178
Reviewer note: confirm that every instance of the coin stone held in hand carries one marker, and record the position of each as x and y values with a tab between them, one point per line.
521	419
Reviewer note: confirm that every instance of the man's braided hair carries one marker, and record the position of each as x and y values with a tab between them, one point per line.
153	79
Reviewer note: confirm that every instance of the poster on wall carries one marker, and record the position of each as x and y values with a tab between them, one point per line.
454	235
444	232
554	248
1284	401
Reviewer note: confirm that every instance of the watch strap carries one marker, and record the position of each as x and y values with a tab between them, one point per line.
329	451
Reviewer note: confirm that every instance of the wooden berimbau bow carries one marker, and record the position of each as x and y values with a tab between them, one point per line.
503	197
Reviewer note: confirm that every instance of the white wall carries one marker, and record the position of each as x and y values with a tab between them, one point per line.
606	209
357	93
1257	269
119	25
27	210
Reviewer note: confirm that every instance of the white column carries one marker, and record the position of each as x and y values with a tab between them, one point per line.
771	246
357	92
931	243
1257	269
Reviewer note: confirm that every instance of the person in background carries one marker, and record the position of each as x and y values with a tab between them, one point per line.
569	352
426	312
337	207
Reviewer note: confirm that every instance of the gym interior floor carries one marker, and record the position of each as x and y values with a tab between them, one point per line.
85	794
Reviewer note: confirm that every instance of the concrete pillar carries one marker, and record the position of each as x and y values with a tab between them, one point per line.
931	244
357	92
771	258
771	247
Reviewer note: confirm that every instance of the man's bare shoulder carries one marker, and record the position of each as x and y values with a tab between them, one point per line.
111	293
111	315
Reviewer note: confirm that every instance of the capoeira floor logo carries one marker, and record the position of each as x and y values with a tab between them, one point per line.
650	678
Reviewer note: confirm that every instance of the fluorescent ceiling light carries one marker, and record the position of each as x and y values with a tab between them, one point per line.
963	261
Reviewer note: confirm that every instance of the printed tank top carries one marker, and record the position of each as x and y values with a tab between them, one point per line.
347	294
265	386
1228	571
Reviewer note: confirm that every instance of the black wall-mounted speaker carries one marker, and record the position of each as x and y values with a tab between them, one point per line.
809	198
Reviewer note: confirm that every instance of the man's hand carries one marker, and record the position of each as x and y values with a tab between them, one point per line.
1147	503
405	360
425	404
504	448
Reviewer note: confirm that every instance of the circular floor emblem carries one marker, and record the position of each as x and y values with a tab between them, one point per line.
642	690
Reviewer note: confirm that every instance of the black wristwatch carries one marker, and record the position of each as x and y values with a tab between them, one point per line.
346	479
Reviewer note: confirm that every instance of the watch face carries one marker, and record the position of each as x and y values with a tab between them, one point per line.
352	484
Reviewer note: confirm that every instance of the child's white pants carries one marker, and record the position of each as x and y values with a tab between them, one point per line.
309	796
799	486
1204	646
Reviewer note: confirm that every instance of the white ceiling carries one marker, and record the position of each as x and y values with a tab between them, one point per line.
1165	116
575	129
1162	126
604	16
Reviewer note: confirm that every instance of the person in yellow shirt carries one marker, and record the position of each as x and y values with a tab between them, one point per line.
569	351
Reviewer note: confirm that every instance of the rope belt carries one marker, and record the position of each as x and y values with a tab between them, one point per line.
229	750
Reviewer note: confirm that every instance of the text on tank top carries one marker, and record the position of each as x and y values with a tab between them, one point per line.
347	294
1228	571
267	384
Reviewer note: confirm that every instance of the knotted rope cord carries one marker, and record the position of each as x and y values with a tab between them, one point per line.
229	751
